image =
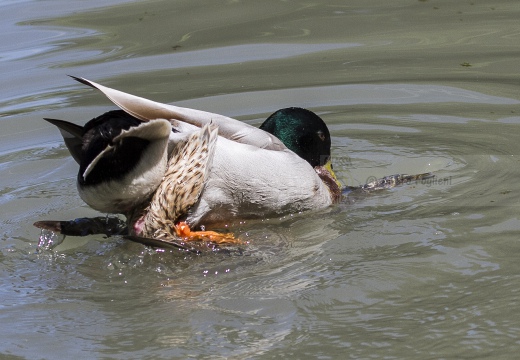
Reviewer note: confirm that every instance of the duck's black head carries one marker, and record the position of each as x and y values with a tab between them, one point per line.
303	132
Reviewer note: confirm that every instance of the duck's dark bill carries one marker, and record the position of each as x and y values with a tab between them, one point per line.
388	182
108	226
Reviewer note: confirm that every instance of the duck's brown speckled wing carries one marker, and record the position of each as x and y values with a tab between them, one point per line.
185	177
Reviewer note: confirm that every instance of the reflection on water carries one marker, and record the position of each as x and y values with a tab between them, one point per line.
425	270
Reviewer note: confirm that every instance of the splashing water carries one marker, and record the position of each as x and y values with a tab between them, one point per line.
49	240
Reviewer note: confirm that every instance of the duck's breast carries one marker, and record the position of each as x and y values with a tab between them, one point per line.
247	182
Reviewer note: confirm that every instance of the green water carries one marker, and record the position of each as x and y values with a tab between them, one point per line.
424	271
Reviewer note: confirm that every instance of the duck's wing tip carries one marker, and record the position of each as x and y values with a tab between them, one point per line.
139	107
83	81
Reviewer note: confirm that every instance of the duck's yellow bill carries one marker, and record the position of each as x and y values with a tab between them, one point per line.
328	166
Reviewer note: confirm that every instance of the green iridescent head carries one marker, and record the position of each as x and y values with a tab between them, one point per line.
303	132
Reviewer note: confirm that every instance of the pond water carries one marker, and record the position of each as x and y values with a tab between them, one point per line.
427	270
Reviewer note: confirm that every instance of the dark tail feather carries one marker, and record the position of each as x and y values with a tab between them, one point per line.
72	135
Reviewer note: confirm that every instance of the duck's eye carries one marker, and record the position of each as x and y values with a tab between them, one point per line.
321	135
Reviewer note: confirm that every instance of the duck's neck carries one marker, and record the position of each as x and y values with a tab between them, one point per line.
330	181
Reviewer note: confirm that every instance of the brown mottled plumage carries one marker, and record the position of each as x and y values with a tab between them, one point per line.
181	186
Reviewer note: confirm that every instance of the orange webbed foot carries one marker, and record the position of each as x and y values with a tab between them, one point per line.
183	230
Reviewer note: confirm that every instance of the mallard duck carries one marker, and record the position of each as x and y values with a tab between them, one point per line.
170	169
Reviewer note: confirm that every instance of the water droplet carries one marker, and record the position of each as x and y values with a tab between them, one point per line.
49	240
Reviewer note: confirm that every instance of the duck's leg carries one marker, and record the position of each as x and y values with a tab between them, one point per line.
183	230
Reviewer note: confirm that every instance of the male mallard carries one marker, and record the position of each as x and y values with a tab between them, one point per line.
166	168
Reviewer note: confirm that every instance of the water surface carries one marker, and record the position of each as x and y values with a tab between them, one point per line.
427	270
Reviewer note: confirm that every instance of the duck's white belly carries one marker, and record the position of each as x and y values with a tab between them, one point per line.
246	182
